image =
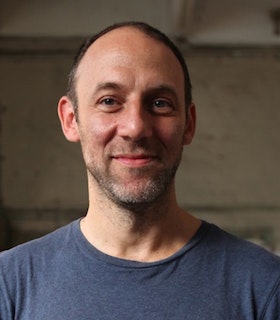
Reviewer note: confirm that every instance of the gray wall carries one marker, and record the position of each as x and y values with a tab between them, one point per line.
229	175
232	169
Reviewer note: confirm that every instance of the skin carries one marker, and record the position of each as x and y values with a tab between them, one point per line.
132	126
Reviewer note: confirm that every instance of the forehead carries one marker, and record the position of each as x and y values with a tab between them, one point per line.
128	47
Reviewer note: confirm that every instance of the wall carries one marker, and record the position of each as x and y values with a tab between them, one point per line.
42	176
229	175
231	172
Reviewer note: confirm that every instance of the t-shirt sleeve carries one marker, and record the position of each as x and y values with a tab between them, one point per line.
272	308
5	308
6	312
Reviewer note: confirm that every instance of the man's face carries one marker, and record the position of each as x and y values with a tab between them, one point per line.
132	122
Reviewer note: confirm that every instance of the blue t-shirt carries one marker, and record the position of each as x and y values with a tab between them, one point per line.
215	276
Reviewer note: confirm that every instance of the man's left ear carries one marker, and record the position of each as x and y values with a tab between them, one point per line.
190	124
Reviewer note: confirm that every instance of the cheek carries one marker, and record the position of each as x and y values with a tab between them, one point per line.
173	134
96	131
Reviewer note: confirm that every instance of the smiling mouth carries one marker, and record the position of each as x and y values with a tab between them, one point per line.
135	160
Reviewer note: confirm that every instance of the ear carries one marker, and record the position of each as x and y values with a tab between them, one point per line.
190	124
67	119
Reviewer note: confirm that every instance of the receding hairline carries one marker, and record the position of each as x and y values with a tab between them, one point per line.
146	30
95	42
91	47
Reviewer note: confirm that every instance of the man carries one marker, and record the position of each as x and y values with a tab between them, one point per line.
136	254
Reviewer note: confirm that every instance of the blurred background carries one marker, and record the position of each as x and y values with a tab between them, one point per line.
229	175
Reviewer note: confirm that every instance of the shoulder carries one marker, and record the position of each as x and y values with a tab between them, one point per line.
28	265
36	249
245	263
246	270
240	251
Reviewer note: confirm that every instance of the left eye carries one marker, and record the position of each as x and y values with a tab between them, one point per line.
160	103
162	106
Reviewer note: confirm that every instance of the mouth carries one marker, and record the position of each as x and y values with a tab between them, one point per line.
135	160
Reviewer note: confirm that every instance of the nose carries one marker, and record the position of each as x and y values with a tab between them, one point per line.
135	122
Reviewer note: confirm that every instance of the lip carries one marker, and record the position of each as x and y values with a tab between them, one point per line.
134	160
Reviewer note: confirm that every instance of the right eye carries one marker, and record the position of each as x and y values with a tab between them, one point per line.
108	101
109	104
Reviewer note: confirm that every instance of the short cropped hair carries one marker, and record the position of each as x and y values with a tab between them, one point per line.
147	30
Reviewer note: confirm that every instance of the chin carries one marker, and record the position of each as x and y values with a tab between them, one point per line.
138	197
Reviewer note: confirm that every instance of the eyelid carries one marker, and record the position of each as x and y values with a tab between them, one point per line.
113	104
105	97
164	100
167	108
108	99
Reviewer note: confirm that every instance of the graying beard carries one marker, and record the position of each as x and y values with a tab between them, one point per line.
157	188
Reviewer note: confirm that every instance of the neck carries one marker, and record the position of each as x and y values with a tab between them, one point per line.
153	233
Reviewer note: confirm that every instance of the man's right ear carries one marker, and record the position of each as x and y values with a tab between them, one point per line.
67	119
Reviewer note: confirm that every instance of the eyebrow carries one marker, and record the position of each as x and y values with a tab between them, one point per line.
158	89
107	85
163	88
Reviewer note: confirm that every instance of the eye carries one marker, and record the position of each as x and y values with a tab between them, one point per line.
109	104
108	101
162	106
160	103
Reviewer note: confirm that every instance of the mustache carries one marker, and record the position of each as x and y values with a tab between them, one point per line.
136	147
